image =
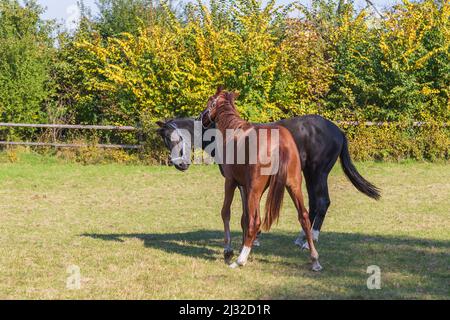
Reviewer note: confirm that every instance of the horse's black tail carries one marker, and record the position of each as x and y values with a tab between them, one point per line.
353	175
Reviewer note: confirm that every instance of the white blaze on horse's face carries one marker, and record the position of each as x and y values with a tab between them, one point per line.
180	153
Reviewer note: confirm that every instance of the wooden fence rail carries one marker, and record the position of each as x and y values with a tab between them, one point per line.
70	145
380	124
69	126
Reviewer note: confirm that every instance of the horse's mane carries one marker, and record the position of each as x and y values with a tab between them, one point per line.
227	116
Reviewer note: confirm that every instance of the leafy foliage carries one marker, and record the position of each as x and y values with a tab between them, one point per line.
26	49
331	60
141	60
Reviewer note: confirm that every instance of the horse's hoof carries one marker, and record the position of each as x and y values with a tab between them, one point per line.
237	264
256	243
227	256
316	267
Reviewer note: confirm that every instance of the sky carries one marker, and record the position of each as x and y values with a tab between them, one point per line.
65	11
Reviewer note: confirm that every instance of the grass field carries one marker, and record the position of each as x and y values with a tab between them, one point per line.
155	233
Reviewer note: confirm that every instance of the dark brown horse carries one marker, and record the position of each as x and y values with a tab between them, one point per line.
281	169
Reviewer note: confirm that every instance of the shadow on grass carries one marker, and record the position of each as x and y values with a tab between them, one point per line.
411	267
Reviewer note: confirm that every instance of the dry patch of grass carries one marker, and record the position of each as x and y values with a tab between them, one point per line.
154	233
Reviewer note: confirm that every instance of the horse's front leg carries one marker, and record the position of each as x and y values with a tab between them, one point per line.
250	223
230	186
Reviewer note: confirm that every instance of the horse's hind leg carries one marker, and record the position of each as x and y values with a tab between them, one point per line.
322	205
301	239
295	191
319	203
230	186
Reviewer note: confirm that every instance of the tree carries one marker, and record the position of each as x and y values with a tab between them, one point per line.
118	16
26	49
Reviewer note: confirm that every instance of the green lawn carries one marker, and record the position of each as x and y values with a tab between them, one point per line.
155	233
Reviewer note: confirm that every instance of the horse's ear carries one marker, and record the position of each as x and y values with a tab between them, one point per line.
219	89
232	96
160	123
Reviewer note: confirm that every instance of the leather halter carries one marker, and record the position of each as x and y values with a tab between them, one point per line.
208	113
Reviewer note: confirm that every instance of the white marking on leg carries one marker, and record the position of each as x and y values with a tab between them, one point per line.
242	259
315	234
316	266
305	245
300	239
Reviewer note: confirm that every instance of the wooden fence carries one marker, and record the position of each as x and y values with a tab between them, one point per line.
380	124
131	129
70	126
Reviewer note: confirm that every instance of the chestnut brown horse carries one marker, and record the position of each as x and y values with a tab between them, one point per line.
281	169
